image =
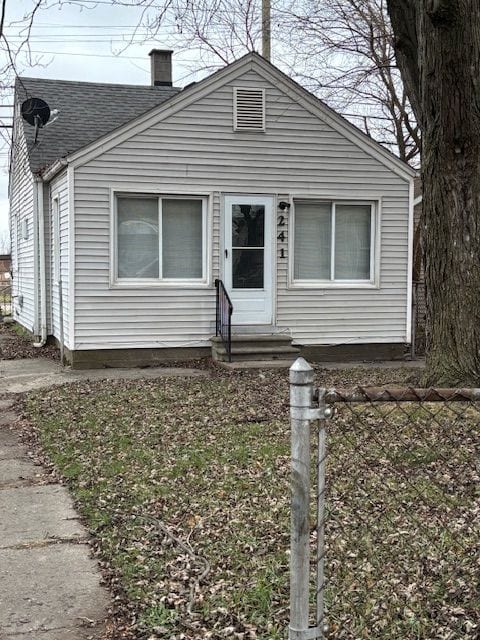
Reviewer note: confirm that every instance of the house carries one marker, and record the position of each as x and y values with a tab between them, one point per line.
5	284
5	266
133	202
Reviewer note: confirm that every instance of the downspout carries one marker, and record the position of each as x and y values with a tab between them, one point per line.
42	270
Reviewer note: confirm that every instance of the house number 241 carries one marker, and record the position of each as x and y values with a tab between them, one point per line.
281	234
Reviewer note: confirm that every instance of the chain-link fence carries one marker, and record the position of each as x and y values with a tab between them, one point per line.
398	512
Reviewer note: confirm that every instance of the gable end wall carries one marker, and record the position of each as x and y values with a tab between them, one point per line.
24	307
196	151
58	188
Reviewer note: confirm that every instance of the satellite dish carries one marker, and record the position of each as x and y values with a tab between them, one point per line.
36	112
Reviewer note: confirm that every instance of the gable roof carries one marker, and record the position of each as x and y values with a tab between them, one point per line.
136	116
251	61
86	111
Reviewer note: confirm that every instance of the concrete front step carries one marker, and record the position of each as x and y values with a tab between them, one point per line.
256	353
256	364
255	338
263	348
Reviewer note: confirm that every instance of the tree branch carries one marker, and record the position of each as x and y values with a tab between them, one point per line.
404	16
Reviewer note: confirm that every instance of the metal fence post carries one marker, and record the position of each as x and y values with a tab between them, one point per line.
321	459
301	413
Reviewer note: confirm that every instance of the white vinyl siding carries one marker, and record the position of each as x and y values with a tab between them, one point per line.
59	253
56	240
197	152
25	298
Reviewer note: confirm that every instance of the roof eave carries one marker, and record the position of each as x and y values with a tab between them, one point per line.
78	157
374	148
341	121
51	171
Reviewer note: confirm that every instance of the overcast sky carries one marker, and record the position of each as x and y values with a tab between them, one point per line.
80	43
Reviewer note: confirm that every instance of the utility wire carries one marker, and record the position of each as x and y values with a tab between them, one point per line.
2	18
102	55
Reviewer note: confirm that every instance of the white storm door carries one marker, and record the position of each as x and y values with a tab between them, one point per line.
248	258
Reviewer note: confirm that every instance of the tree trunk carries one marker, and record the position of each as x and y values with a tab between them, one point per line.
450	73
449	94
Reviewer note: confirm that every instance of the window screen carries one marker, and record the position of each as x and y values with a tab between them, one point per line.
348	226
313	232
182	238
352	242
159	238
137	237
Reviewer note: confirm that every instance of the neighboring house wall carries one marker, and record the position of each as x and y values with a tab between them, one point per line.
5	267
5	284
23	235
58	197
196	151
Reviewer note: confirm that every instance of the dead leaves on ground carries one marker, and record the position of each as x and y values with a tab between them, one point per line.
185	487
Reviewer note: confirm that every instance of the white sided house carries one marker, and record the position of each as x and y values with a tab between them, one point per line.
137	213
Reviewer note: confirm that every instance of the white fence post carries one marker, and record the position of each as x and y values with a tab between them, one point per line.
301	413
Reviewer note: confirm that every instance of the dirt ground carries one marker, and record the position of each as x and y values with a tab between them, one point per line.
15	343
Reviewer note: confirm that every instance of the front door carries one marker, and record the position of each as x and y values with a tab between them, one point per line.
248	258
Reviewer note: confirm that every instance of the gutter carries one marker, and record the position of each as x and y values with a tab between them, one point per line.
51	171
43	278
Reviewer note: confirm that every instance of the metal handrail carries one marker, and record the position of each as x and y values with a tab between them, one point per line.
223	317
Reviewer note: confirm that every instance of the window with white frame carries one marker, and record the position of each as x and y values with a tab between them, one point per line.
160	238
334	242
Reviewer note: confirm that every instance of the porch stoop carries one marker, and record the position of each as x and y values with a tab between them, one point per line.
254	350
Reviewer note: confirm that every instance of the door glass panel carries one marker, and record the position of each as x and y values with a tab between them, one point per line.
247	268
248	238
248	221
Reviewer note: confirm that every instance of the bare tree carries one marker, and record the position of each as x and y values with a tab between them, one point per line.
18	54
438	51
15	56
347	57
342	50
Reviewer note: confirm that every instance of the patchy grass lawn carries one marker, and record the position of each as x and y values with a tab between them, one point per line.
184	484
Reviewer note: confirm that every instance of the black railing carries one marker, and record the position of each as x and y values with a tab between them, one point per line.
223	317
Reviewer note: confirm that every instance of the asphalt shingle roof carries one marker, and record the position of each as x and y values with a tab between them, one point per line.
86	111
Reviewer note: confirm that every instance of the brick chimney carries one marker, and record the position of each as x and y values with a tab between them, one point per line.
161	67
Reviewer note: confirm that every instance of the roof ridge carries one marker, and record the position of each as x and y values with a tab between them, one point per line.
99	84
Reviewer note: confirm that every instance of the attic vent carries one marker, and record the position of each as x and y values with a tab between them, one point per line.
248	109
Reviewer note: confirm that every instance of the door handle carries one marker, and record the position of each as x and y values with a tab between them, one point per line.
226	253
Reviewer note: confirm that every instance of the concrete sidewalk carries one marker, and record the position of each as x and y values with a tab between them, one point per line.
19	376
49	584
